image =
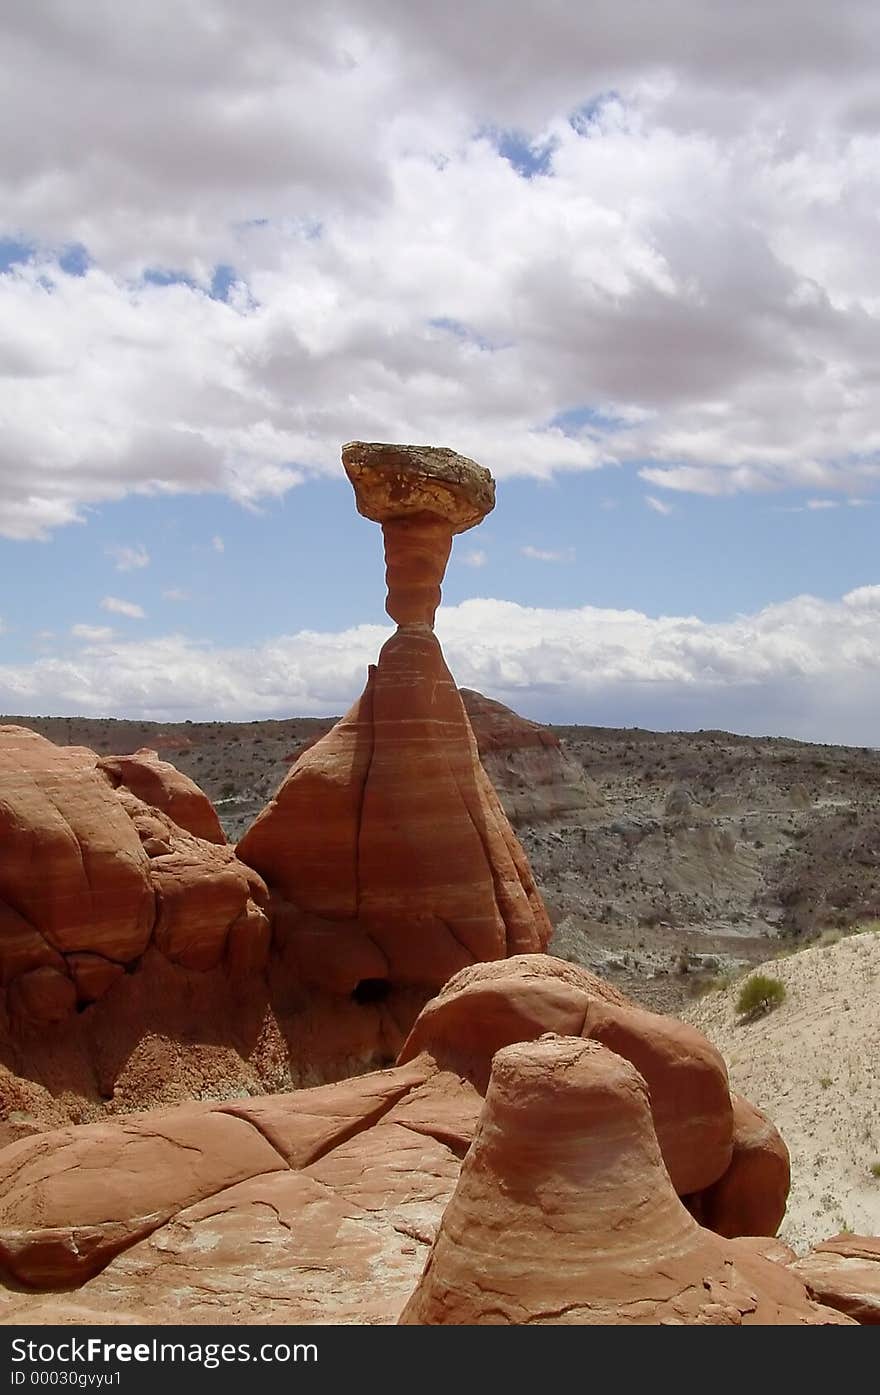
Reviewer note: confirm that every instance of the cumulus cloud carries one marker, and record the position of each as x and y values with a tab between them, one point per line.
175	593
128	558
396	226
806	667
93	633
661	506
217	543
545	554
120	607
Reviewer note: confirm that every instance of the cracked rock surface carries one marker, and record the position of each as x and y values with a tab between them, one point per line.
321	1205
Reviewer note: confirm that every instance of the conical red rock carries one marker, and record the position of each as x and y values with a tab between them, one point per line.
565	1214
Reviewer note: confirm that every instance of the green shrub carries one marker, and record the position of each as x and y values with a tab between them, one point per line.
875	1169
759	994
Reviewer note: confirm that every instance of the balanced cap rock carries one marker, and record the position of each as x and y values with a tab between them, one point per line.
386	849
421	495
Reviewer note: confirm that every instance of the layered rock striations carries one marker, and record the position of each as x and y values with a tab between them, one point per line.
552	1199
386	848
564	1213
153	951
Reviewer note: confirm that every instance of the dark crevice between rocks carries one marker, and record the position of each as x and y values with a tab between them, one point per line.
371	990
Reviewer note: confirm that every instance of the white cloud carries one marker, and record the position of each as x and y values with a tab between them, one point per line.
118	607
817	505
95	634
661	506
217	543
174	593
696	264
476	557
127	558
807	667
543	554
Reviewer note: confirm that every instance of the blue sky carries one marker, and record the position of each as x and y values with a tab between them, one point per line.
310	561
631	271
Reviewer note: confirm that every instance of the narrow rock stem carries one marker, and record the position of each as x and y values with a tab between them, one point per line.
417	550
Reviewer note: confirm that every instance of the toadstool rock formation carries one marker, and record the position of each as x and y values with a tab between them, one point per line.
564	1214
152	949
388	854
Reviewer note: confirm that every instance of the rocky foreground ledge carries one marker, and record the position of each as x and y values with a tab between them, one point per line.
555	1177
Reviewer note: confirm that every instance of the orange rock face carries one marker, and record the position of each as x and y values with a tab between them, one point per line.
73	874
91	877
161	785
490	1006
751	1196
321	1205
844	1273
387	844
564	1214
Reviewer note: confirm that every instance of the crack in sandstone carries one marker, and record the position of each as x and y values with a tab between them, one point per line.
360	1125
245	1119
368	699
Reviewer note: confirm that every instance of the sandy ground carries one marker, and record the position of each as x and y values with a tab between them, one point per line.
813	1064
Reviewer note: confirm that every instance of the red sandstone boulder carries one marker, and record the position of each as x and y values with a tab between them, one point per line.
751	1196
313	1206
564	1214
333	1222
71	1200
490	1006
42	996
203	892
161	785
73	874
844	1273
91	877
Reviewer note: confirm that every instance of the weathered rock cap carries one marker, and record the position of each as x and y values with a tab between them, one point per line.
396	481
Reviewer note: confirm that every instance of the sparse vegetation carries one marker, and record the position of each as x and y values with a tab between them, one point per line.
760	994
875	1169
825	1081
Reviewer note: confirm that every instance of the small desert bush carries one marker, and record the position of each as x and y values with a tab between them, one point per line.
875	1169
759	994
